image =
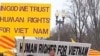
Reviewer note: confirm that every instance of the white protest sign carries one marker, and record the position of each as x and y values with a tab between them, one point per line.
43	47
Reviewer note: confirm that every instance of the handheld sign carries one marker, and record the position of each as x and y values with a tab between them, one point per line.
44	48
28	19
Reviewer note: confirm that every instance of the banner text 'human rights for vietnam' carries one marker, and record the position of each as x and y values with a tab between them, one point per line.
25	18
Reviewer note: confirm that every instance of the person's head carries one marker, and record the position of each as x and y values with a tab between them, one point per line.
52	52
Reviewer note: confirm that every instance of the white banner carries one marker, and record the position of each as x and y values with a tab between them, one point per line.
51	48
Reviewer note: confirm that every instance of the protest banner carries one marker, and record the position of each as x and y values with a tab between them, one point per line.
25	19
44	48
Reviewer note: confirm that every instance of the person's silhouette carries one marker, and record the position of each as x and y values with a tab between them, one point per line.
52	52
29	55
